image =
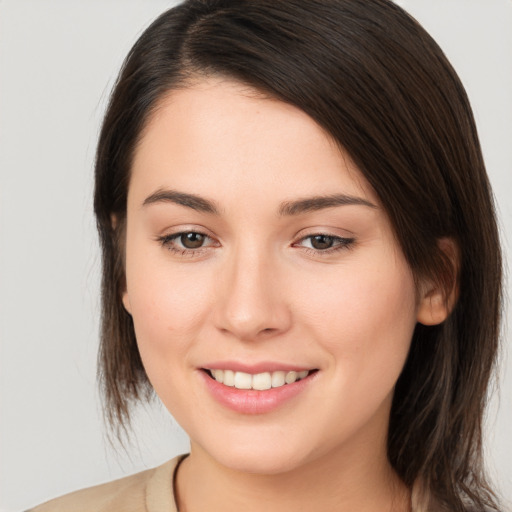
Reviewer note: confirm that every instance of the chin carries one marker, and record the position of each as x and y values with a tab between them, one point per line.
258	461
258	453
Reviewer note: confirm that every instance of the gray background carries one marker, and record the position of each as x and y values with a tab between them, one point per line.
58	60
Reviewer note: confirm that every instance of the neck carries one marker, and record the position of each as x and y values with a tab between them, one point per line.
342	480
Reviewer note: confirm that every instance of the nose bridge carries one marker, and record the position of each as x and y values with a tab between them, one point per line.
253	305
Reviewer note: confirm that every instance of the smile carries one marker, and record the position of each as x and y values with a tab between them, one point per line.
259	381
259	392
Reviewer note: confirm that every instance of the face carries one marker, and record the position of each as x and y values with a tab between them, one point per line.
272	306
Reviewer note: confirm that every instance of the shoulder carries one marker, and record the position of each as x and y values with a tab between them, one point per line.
147	491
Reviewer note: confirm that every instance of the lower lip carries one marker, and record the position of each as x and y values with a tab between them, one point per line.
251	401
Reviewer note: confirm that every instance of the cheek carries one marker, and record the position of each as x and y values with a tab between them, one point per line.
367	319
167	305
168	311
365	325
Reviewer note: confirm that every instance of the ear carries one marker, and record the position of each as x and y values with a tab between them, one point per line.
114	221
437	299
126	301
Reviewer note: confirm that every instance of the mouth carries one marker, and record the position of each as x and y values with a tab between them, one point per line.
257	391
259	381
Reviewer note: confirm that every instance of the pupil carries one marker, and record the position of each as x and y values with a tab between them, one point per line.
192	240
322	242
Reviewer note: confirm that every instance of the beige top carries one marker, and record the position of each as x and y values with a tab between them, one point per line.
149	491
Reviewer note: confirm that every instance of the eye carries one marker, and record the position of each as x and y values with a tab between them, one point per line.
191	240
320	243
186	242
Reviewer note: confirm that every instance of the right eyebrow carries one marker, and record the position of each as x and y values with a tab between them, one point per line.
197	203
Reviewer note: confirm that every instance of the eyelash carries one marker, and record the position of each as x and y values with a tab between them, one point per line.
339	242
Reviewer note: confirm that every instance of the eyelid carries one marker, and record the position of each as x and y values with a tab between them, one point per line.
335	232
169	231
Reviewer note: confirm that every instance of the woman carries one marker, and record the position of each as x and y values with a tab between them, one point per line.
301	259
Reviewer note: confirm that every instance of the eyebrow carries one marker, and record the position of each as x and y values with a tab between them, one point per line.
310	204
286	208
193	201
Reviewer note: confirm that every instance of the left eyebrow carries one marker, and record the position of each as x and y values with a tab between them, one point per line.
310	204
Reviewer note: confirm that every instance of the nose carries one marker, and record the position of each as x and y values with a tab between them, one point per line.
253	303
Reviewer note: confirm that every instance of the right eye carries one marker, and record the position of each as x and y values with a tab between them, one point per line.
191	240
186	242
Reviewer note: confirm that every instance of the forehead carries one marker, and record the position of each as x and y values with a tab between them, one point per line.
222	132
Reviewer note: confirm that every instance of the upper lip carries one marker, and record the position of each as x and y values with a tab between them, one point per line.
255	368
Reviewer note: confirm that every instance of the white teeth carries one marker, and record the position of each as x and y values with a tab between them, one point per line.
218	375
243	380
260	381
277	379
291	377
229	378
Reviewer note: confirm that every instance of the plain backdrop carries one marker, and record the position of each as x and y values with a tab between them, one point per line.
58	61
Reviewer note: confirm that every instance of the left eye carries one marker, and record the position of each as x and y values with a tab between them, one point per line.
321	242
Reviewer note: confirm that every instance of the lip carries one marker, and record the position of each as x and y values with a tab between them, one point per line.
251	401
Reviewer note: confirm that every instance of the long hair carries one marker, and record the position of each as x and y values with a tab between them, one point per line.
372	77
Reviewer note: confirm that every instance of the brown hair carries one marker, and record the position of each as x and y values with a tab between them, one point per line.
376	81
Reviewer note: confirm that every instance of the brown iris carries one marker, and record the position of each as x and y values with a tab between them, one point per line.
322	242
192	240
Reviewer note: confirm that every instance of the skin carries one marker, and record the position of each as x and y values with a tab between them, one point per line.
258	290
